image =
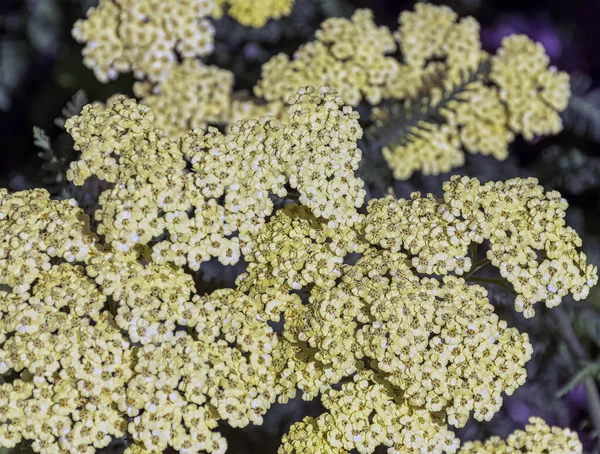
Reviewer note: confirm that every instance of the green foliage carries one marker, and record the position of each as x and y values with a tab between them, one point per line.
583	112
54	165
569	168
407	120
72	108
337	8
589	370
404	121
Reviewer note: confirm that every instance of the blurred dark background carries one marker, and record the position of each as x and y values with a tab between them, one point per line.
41	70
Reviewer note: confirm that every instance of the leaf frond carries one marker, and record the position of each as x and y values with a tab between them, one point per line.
336	8
590	370
72	108
402	122
582	115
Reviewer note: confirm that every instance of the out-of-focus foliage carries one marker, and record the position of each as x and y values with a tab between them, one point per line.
583	112
569	168
33	29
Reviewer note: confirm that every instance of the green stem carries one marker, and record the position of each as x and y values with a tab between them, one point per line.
476	267
293	195
473	248
491	280
112	307
581	358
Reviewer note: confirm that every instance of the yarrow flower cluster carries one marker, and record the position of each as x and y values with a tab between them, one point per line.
354	57
413	354
104	333
85	376
418	348
517	218
102	342
536	437
175	187
533	92
195	96
255	14
349	54
484	101
191	97
515	93
147	37
144	36
34	232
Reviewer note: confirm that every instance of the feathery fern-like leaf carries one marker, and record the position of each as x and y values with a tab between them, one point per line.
582	115
337	8
403	121
72	108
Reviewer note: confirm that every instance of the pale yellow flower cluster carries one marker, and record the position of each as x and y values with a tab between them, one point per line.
520	94
349	54
431	31
35	231
432	149
364	414
412	354
182	386
517	218
482	119
84	377
533	92
255	14
192	96
105	339
435	349
71	373
308	437
521	222
144	36
248	109
195	96
160	42
535	438
81	382
176	185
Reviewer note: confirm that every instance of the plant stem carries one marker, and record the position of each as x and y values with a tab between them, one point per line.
473	248
293	195
112	306
476	267
581	357
491	280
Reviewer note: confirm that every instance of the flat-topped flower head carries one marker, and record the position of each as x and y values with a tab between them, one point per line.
145	37
534	92
536	437
350	55
255	14
196	192
192	96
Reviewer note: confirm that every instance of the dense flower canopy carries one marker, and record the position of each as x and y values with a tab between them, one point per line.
375	306
203	187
